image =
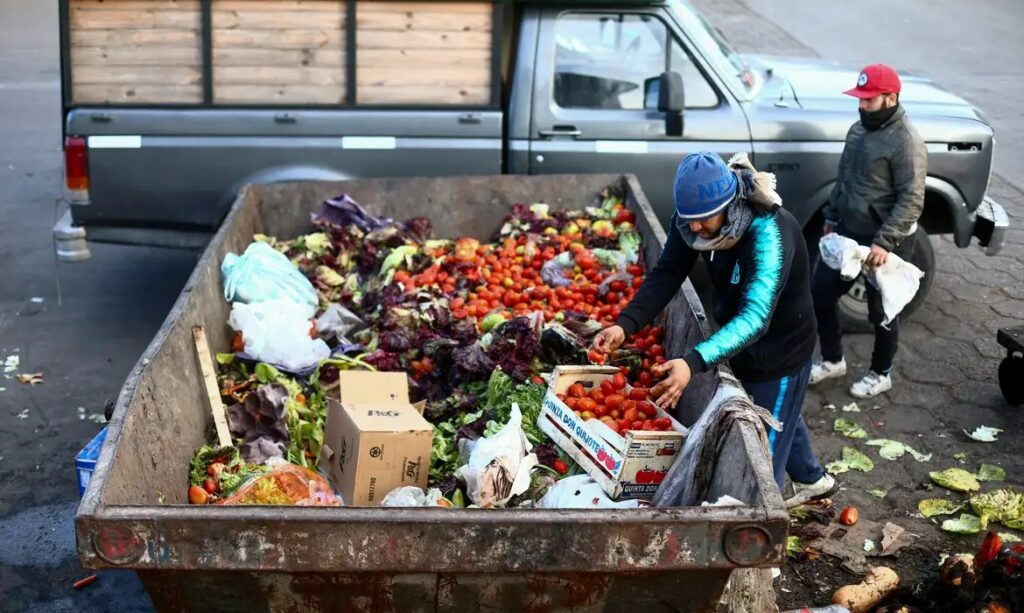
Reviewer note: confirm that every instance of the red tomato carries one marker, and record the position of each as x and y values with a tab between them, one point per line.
639	393
623	426
648	425
596	356
586	404
617	286
601	410
647	408
637	425
576	390
645	379
614	401
630	415
663	423
572	403
656	351
597	396
606	387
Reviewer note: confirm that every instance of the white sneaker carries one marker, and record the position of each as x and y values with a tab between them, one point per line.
822	370
871	385
806	492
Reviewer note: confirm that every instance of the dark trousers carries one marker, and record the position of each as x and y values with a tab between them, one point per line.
791	449
828	287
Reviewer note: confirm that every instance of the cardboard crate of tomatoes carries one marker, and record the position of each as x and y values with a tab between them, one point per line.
612	430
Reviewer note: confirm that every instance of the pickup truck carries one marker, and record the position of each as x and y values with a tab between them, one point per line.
170	107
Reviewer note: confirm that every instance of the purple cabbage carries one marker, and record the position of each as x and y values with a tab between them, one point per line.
261	422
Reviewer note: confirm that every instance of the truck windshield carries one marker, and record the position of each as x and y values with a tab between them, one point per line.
716	48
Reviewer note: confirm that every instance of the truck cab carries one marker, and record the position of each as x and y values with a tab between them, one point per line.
274	90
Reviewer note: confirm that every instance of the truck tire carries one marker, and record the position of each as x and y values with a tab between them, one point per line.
853	307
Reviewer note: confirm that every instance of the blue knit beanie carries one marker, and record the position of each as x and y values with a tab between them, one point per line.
704	186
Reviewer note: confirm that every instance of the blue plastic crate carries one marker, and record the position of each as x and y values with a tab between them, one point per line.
85	461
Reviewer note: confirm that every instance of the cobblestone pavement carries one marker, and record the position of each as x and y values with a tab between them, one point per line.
945	378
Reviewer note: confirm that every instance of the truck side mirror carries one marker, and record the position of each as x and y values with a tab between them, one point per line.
667	89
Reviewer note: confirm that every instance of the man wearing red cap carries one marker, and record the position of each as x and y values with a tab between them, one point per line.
877	200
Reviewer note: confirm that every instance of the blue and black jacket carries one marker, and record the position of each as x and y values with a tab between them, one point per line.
762	299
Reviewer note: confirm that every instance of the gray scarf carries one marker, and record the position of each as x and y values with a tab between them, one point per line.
755	196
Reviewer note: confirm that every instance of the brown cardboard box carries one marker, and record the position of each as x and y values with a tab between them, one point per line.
374	440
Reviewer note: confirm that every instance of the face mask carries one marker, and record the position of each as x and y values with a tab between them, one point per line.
874	120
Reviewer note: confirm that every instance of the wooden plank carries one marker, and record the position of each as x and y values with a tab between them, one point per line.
273	75
146	55
209	375
453	76
421	20
134	38
136	75
231	56
279	39
135	5
474	8
106	19
278	94
416	39
137	94
423	57
423	95
277	5
278	20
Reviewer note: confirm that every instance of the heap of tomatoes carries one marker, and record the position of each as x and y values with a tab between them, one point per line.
620	408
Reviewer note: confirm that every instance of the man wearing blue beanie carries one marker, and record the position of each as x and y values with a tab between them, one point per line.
730	215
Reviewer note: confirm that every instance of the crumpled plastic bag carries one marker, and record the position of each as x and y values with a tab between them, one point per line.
581	492
897	280
338	322
277	332
498	466
412	496
262	274
288	484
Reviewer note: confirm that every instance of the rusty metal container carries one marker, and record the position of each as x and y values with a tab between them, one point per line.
135	515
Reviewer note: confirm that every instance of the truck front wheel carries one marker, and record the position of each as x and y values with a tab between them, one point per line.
853	307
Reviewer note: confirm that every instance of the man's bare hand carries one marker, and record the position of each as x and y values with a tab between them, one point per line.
609	339
877	257
668	392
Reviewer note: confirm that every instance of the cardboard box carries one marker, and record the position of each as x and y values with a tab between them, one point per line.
626	467
85	461
374	440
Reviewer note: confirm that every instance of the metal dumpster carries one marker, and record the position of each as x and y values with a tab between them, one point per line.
135	515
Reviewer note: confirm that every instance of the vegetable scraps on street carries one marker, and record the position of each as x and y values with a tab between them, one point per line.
474	325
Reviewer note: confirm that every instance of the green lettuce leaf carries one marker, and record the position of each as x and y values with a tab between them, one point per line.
956	479
930	507
991	472
965	524
849	428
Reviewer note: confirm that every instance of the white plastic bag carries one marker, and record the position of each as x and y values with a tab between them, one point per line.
581	492
262	274
499	466
897	280
412	496
277	332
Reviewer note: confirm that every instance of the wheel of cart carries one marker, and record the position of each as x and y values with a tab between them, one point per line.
1011	370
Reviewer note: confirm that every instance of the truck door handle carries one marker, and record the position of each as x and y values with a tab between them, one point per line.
470	118
561	131
101	117
285	118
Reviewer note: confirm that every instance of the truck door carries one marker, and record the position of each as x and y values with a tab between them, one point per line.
591	112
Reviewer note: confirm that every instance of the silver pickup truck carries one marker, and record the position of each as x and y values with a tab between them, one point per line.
534	88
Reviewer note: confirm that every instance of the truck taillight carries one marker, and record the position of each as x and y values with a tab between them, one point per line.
76	168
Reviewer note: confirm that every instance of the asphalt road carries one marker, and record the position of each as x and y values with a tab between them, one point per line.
84	325
88	325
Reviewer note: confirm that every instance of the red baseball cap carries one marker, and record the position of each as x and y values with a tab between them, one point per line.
874	80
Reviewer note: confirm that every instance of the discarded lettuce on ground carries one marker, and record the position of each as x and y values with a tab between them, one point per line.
991	472
849	428
1005	505
878	492
984	434
930	507
794	546
851	460
956	479
894	450
965	524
